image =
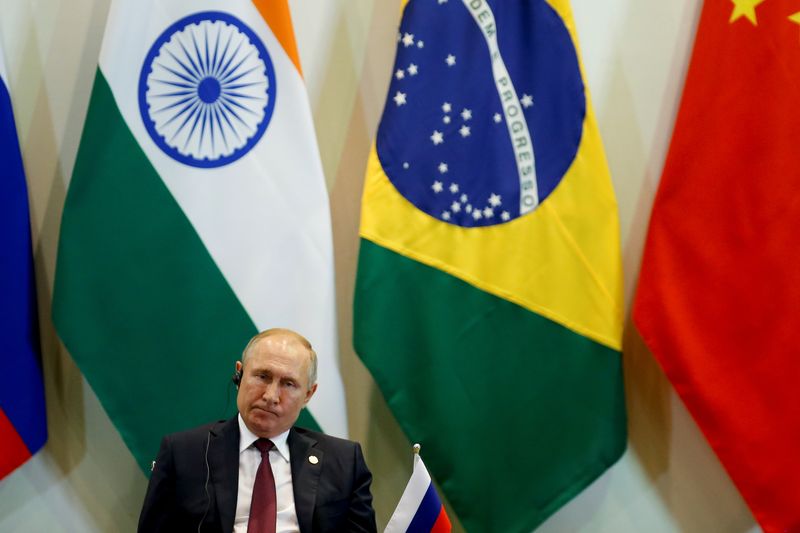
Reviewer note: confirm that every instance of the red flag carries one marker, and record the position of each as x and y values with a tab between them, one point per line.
718	301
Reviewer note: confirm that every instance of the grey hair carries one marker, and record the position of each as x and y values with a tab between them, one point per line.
312	363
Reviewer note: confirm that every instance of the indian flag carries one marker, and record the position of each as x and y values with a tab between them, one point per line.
197	215
488	302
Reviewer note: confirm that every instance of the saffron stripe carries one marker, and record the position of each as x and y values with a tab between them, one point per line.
278	17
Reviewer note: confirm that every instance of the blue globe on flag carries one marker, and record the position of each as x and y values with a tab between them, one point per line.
207	90
486	109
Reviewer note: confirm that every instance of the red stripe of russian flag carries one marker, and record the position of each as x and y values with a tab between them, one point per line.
13	451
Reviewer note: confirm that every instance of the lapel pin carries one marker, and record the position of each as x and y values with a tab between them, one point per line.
313	459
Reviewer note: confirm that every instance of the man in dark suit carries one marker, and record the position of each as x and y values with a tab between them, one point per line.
256	473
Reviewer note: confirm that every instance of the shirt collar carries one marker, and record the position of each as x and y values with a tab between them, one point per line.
247	438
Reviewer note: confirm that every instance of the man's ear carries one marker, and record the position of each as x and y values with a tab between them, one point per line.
310	393
237	375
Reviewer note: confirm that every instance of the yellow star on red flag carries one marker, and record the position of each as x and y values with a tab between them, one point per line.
745	8
795	17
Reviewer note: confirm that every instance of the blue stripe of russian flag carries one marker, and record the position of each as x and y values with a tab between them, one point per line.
428	512
23	427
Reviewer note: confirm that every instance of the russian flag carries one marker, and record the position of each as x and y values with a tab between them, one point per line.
420	509
23	426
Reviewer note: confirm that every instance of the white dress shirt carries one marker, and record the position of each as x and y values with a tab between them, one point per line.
249	459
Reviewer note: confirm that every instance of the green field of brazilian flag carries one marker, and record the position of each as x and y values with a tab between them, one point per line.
488	304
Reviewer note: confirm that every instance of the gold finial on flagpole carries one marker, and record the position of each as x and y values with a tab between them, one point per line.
416	449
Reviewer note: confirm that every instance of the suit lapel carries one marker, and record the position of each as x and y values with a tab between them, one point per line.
223	461
306	463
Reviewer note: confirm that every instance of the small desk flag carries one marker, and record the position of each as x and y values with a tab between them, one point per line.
420	510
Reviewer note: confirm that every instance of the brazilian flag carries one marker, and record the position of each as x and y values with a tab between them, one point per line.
489	300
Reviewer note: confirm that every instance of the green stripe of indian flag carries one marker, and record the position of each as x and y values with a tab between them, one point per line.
264	219
138	301
513	402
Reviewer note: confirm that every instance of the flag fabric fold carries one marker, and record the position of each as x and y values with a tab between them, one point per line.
23	423
717	300
420	510
488	303
197	214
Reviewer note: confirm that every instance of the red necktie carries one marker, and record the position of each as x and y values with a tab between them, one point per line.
263	507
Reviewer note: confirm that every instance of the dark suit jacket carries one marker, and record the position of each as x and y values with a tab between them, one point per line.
331	495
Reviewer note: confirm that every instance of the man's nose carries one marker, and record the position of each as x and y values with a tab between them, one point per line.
271	392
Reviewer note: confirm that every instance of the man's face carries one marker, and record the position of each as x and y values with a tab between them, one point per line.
274	386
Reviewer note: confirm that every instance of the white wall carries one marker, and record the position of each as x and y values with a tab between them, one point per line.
635	54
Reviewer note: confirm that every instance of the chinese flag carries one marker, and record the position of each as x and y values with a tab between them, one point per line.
718	301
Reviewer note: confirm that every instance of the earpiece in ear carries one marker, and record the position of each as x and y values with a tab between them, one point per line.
237	377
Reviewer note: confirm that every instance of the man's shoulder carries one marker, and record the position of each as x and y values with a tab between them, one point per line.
200	433
343	459
326	441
